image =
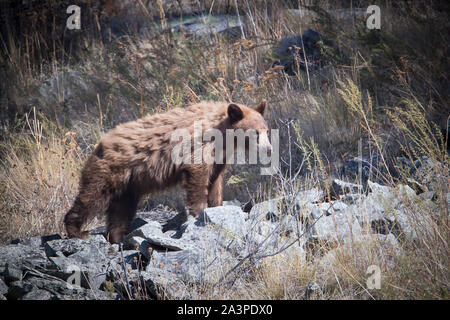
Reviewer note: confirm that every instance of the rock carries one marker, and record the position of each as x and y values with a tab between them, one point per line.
430	195
230	218
66	247
234	202
218	226
134	259
153	234
337	228
11	273
3	287
267	210
272	209
308	196
165	285
292	52
339	188
159	214
17	289
428	173
92	249
371	213
89	261
137	223
36	241
203	25
313	290
57	287
19	256
186	264
147	229
372	168
87	275
37	294
61	291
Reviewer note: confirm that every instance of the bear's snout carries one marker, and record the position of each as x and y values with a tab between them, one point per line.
264	143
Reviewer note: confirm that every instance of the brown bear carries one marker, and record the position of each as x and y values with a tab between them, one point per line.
135	158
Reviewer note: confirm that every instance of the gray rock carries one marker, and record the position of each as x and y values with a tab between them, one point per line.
153	234
37	294
267	210
207	24
234	202
61	291
292	52
163	215
339	187
339	227
272	209
216	227
156	283
313	290
372	168
11	273
18	289
69	247
308	196
36	241
150	228
55	286
3	287
133	259
186	264
87	275
19	256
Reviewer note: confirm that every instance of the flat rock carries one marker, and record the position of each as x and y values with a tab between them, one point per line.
19	256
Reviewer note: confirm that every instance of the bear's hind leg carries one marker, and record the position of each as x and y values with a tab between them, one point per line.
120	215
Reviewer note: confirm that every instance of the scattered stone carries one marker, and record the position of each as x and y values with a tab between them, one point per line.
18	256
300	52
340	188
313	290
167	252
36	241
17	289
338	227
234	202
37	294
3	287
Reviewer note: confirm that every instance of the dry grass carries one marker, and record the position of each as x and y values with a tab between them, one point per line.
38	179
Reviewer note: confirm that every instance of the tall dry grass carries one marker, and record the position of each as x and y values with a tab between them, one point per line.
38	178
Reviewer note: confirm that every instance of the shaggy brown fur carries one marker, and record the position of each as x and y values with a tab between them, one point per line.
134	159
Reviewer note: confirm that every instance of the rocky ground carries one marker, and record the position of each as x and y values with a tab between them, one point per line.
166	252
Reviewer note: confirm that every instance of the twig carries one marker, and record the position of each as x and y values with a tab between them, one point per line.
122	262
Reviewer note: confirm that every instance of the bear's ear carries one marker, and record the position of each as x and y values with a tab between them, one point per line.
261	107
234	113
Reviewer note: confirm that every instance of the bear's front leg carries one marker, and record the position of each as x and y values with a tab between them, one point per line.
196	186
215	188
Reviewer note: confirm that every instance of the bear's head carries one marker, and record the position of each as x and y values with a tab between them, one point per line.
251	120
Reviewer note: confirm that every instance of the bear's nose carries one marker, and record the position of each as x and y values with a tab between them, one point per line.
269	150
